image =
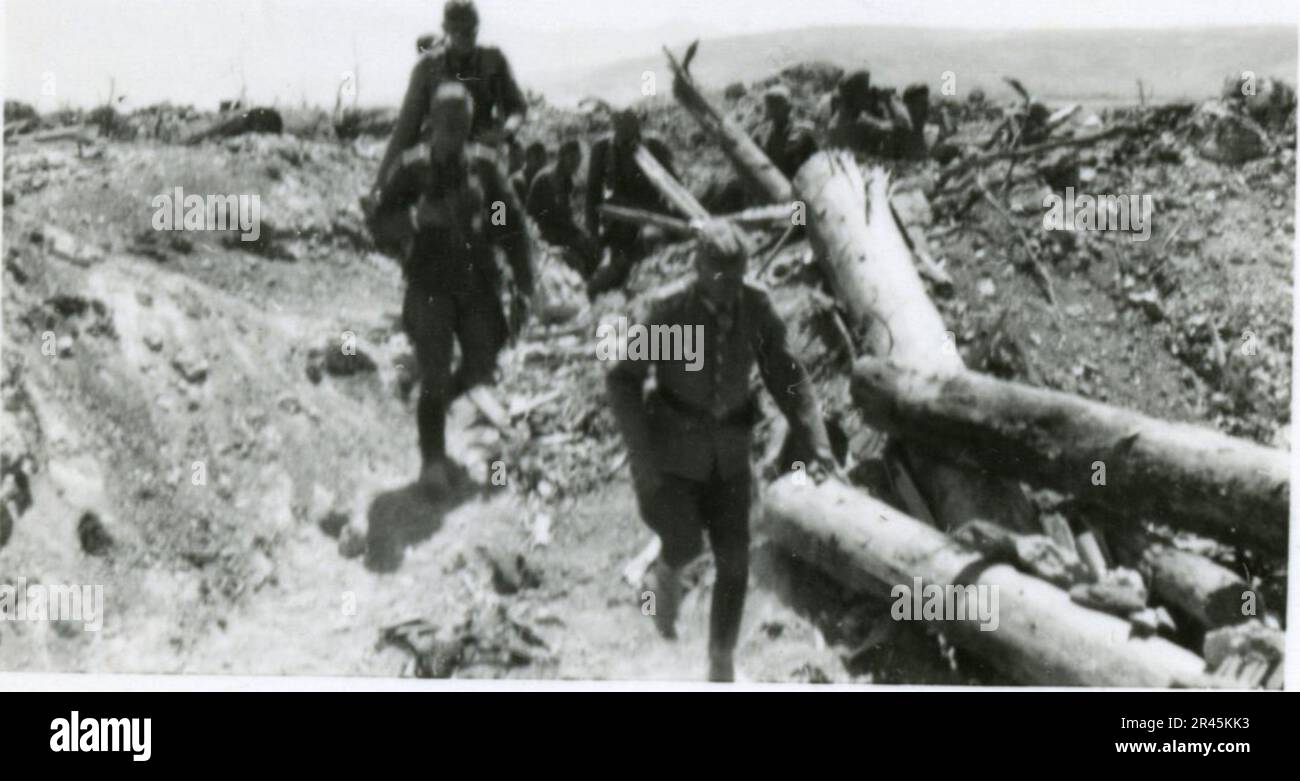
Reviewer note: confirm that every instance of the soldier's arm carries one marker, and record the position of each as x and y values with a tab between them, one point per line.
536	202
513	235
595	184
406	132
514	106
541	206
788	382
803	145
899	113
624	384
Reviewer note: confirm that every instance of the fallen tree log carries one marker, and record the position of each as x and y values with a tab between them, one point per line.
255	120
762	217
671	189
1041	636
664	222
758	172
1129	463
773	214
874	277
79	133
1206	592
1035	150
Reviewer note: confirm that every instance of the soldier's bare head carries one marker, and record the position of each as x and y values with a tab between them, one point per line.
916	96
777	103
535	156
570	156
720	256
855	90
627	127
451	113
460	23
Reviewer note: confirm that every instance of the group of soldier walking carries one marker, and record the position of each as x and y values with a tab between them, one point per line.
450	199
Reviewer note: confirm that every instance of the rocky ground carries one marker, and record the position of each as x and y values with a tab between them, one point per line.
182	423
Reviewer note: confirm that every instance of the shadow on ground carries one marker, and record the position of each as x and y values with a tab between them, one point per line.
402	517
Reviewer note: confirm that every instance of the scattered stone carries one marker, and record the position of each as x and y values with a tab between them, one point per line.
153	341
1249	653
94	537
192	367
352	542
1048	560
333	522
1149	302
64	245
540	531
1035	554
1228	137
1119	591
1152	621
335	361
6	524
510	573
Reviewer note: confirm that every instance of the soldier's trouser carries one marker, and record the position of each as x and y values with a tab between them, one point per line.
624	251
680	511
582	253
468	310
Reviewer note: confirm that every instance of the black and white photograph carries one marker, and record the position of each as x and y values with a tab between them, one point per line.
721	345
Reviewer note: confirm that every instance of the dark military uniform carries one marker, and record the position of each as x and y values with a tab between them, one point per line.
550	206
466	213
522	181
884	128
484	72
788	146
614	177
689	439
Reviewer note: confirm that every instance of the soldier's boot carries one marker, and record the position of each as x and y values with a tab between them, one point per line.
722	665
436	478
665	583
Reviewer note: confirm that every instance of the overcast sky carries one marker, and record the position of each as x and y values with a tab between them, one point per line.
192	51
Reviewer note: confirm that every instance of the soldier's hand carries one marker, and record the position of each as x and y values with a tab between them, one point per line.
824	468
646	480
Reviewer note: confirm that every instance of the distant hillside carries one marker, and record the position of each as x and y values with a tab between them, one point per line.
1100	66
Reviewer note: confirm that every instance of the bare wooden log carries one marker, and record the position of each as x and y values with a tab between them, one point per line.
1041	636
255	120
758	172
670	188
1132	464
777	214
79	133
1206	592
874	277
1211	594
772	214
642	217
1090	552
1037	149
